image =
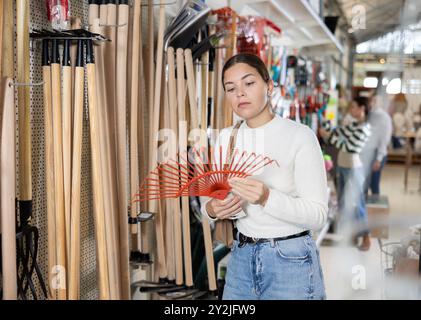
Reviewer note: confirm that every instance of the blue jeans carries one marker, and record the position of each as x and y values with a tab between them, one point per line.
282	270
351	196
375	178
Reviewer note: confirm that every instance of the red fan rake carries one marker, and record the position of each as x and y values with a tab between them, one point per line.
199	175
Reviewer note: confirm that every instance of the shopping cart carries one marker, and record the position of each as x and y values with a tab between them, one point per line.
388	254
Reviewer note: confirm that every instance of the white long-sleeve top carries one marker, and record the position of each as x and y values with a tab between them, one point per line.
298	187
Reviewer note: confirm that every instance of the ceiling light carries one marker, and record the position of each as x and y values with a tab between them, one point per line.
371	82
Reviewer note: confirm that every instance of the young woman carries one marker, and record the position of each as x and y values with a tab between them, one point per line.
273	255
350	139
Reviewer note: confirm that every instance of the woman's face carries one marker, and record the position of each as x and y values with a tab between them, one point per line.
356	111
246	91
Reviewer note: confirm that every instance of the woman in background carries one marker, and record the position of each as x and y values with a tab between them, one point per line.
350	138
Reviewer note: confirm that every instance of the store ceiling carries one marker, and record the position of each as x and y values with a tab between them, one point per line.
381	16
301	26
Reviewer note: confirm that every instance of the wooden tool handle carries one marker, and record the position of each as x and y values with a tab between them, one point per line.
59	177
1	40
191	89
74	264
76	184
49	166
205	92
7	41
150	55
202	143
162	268
22	47
134	100
93	13
67	138
205	222
8	187
121	97
97	185
183	149
107	142
172	91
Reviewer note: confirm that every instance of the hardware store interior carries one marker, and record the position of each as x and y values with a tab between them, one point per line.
210	149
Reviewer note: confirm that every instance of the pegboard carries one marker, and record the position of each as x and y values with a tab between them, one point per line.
88	272
88	281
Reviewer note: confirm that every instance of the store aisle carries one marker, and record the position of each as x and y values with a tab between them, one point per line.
352	274
405	206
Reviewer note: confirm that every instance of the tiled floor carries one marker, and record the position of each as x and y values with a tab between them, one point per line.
352	274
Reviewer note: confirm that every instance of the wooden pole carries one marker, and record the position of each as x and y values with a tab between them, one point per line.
136	95
1	39
182	150
121	113
150	96
96	152
202	143
142	147
107	171
162	267
114	132
172	92
7	123
76	23
232	48
58	170
49	165
219	94
205	91
74	263
67	137
93	11
8	190
7	63
134	104
205	222
168	204
25	163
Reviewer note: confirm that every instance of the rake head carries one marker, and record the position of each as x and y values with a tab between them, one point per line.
199	173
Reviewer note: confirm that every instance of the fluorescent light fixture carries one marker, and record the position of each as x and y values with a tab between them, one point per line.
371	82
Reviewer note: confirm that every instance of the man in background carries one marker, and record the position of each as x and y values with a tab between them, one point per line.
374	154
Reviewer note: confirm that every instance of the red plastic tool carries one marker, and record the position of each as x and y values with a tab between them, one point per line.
199	174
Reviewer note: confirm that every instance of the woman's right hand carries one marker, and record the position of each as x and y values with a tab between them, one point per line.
224	209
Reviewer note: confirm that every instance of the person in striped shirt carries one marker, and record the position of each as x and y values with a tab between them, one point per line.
350	139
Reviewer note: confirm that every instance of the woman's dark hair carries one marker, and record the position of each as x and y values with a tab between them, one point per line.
250	59
363	102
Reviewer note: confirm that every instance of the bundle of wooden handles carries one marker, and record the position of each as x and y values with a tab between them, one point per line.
120	82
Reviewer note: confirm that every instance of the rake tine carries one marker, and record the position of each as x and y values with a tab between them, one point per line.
251	166
193	176
244	163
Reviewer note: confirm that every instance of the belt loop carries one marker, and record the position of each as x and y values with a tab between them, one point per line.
272	243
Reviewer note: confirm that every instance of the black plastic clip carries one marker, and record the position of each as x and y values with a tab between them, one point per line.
141	217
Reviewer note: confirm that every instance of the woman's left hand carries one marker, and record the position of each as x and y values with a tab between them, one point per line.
250	190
